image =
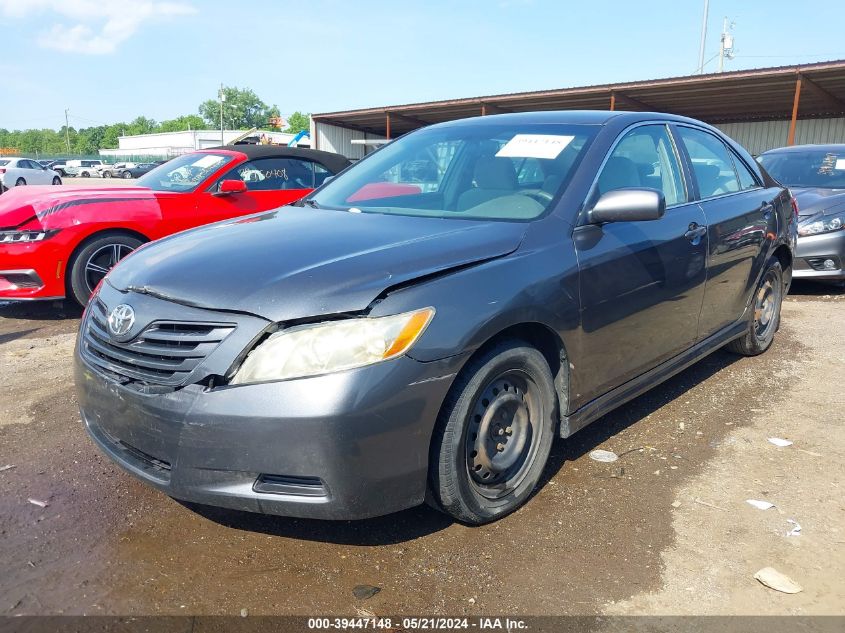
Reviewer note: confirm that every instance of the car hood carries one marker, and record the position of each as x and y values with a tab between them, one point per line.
812	201
299	262
43	206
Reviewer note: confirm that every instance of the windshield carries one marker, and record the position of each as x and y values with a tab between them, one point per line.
183	173
495	171
811	168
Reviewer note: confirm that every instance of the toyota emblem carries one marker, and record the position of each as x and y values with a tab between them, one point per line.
121	319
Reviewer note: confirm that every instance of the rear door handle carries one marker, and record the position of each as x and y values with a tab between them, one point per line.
695	232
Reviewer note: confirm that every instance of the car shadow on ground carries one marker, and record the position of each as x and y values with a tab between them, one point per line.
803	288
423	520
40	310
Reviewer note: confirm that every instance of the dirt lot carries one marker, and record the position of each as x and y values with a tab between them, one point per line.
666	529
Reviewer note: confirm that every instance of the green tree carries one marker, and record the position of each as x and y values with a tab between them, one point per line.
182	123
298	122
241	109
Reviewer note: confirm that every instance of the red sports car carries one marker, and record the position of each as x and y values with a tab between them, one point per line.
58	242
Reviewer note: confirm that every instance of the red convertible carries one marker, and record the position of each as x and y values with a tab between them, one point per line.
58	242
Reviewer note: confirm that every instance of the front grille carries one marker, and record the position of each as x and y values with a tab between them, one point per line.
164	353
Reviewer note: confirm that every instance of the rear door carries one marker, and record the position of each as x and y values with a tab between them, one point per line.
641	283
741	223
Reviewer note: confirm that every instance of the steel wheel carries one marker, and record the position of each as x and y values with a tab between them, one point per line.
101	261
500	442
766	303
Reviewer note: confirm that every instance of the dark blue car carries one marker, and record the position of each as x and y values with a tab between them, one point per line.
425	324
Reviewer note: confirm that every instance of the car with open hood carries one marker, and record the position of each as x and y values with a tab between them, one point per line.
422	327
816	176
58	242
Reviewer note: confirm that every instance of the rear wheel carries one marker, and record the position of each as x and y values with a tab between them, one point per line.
106	174
765	321
93	262
20	182
85	174
126	174
494	434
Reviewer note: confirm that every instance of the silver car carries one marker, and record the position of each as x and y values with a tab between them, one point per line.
816	176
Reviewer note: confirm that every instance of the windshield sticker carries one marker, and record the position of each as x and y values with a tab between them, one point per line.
207	161
534	146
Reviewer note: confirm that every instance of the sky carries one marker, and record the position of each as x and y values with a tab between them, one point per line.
113	60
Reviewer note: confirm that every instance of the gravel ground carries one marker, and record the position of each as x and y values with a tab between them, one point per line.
664	530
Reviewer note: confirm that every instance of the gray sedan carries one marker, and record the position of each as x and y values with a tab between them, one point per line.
422	326
816	176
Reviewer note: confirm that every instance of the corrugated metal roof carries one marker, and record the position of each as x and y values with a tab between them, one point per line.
759	94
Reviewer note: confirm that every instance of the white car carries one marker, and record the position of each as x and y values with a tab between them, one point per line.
116	170
23	171
84	168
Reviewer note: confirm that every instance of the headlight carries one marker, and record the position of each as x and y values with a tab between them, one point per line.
17	237
327	347
822	224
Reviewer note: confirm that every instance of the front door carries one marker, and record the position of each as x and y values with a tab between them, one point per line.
642	283
271	183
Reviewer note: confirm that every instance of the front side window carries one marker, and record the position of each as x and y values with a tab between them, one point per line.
644	158
475	171
269	174
183	173
711	163
806	168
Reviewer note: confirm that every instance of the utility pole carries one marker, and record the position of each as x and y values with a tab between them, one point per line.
67	132
726	45
703	37
222	99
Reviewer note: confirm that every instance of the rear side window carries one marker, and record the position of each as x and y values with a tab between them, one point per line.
644	158
747	180
711	163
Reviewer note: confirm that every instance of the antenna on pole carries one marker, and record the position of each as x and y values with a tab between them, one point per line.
726	47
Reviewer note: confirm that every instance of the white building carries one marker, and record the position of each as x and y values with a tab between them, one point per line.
168	144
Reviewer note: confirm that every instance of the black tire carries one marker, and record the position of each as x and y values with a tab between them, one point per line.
106	174
127	175
765	318
93	261
84	174
494	434
20	182
57	180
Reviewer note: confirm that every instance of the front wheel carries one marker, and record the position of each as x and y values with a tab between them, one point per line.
57	180
494	434
95	260
106	174
127	175
20	182
84	174
765	320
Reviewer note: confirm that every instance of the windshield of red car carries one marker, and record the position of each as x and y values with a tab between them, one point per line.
811	168
184	173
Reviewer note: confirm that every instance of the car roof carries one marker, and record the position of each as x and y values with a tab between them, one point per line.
334	162
572	117
825	147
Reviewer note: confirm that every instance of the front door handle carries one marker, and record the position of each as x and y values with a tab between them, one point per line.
695	233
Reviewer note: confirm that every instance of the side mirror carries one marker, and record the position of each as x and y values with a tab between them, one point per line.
228	187
628	205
